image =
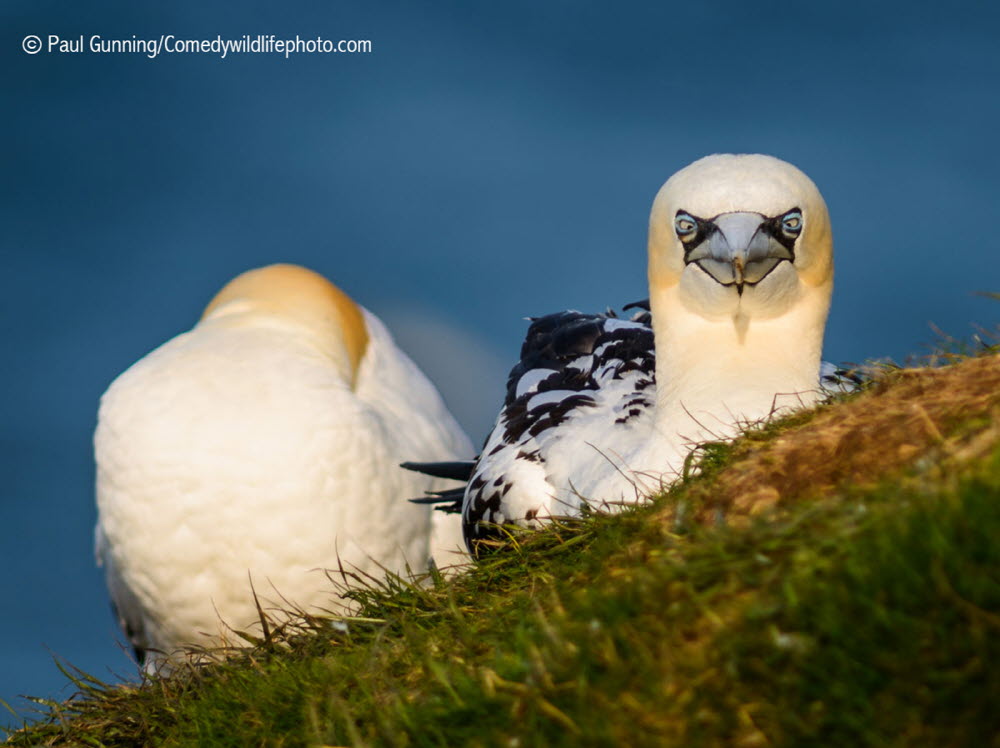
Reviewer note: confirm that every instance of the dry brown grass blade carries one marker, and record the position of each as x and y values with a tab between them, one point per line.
902	417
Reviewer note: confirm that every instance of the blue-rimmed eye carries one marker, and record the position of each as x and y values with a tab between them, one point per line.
685	225
791	222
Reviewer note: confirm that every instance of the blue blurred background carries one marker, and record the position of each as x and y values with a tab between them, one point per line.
485	162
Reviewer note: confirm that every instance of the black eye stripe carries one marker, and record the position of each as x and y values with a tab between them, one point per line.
775	228
772	226
703	229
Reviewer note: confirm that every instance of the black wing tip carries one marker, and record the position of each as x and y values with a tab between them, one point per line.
641	304
449	502
431	500
453	470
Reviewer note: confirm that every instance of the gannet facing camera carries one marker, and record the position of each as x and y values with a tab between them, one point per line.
602	411
262	447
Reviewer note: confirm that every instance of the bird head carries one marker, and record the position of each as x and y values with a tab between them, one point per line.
300	300
740	236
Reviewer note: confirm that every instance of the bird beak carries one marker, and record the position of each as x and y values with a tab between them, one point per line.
739	251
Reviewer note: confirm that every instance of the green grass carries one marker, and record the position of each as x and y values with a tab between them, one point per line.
869	616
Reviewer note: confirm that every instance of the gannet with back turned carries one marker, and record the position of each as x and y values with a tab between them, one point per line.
263	446
602	411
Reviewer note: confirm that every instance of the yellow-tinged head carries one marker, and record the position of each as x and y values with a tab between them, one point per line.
740	235
298	295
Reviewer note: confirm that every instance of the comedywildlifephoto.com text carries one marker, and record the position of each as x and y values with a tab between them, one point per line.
171	44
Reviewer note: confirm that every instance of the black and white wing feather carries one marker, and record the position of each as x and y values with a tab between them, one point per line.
584	383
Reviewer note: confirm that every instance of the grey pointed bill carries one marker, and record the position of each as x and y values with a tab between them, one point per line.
739	249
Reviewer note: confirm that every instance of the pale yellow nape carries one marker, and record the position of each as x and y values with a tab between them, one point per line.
299	294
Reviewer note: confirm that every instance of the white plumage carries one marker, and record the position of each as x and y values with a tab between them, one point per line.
264	445
602	411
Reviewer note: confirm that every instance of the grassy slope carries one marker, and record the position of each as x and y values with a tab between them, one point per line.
851	596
